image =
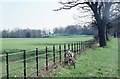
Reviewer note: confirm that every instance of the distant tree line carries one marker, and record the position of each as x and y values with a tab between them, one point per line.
30	33
24	33
75	30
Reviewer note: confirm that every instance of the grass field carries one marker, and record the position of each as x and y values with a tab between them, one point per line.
16	44
12	45
99	62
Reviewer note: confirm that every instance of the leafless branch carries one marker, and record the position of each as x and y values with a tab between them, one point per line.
69	5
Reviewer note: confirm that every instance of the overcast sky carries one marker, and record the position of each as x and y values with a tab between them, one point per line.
34	14
37	14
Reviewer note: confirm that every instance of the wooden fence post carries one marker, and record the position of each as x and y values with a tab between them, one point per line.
46	50
68	46
72	47
79	46
75	48
54	54
24	57
37	60
83	45
7	65
64	52
60	52
89	44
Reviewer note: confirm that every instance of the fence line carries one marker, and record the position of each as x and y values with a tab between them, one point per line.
46	59
7	66
24	57
56	55
37	60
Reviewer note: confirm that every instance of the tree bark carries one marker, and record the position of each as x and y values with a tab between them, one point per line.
101	24
102	33
107	34
115	34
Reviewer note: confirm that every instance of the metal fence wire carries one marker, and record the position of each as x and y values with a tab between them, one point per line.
56	55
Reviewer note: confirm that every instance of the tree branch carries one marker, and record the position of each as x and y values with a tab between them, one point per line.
69	5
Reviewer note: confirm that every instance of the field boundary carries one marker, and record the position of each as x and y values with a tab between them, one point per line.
57	57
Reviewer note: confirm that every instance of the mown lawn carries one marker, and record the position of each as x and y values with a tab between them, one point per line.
99	62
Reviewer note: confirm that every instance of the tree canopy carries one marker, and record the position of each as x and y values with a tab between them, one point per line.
101	13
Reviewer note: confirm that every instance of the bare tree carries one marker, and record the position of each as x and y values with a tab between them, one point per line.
100	11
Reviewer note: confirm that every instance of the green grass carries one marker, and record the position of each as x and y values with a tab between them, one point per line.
99	62
17	44
12	45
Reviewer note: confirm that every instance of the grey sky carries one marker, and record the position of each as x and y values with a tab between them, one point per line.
34	14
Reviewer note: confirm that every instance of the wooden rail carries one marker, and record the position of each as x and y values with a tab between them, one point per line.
54	56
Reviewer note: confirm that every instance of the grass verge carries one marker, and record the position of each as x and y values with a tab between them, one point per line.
99	62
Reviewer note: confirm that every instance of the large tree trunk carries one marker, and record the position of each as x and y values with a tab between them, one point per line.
102	35
114	34
103	23
107	35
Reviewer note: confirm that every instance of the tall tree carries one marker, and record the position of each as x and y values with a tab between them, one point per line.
71	30
100	11
28	35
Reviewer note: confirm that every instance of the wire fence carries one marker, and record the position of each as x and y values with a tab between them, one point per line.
29	63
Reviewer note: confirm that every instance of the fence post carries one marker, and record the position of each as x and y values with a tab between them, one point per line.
7	65
46	58
64	52
72	47
89	44
83	45
68	46
24	57
60	52
79	46
75	48
37	60
54	54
